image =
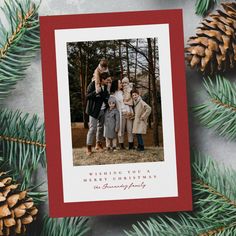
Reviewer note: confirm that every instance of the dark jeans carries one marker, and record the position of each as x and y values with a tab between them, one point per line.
140	139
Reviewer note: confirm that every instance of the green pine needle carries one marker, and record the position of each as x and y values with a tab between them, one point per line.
214	199
19	42
219	112
22	144
37	195
65	226
202	7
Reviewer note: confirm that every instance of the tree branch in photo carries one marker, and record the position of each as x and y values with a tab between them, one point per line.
139	51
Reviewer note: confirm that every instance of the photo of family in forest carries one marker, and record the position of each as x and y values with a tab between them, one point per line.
115	101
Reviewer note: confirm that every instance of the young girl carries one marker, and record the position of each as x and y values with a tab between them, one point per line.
101	69
112	124
142	111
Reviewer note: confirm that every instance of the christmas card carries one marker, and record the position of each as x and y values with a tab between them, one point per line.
115	113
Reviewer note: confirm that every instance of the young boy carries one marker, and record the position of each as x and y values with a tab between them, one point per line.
102	69
142	111
112	124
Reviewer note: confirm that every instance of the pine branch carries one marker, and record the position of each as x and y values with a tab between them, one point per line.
37	194
22	143
219	112
33	192
65	226
214	205
202	7
19	43
21	211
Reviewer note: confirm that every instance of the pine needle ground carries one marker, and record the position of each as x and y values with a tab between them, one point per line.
151	154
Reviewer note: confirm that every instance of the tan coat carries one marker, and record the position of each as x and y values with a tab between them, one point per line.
142	111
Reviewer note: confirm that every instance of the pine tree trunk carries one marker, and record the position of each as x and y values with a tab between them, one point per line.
83	87
154	54
136	63
114	57
127	59
105	50
154	93
149	99
121	65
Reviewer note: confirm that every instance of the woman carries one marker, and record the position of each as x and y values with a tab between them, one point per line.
116	91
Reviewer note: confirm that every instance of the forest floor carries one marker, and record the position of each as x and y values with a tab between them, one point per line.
151	154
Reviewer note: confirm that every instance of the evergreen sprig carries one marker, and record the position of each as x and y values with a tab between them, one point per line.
219	112
19	41
22	144
38	196
214	199
75	226
202	7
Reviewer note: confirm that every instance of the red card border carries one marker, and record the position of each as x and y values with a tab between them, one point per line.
55	184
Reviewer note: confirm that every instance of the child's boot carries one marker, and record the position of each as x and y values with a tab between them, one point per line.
131	146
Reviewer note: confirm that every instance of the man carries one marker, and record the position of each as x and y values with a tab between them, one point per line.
97	103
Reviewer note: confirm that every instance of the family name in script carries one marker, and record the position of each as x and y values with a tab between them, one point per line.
120	186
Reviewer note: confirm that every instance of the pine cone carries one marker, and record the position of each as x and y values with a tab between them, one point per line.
16	209
213	49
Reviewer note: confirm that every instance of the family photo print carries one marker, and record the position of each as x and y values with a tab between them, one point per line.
113	85
115	113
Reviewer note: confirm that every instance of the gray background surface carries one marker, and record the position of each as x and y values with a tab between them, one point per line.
28	93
